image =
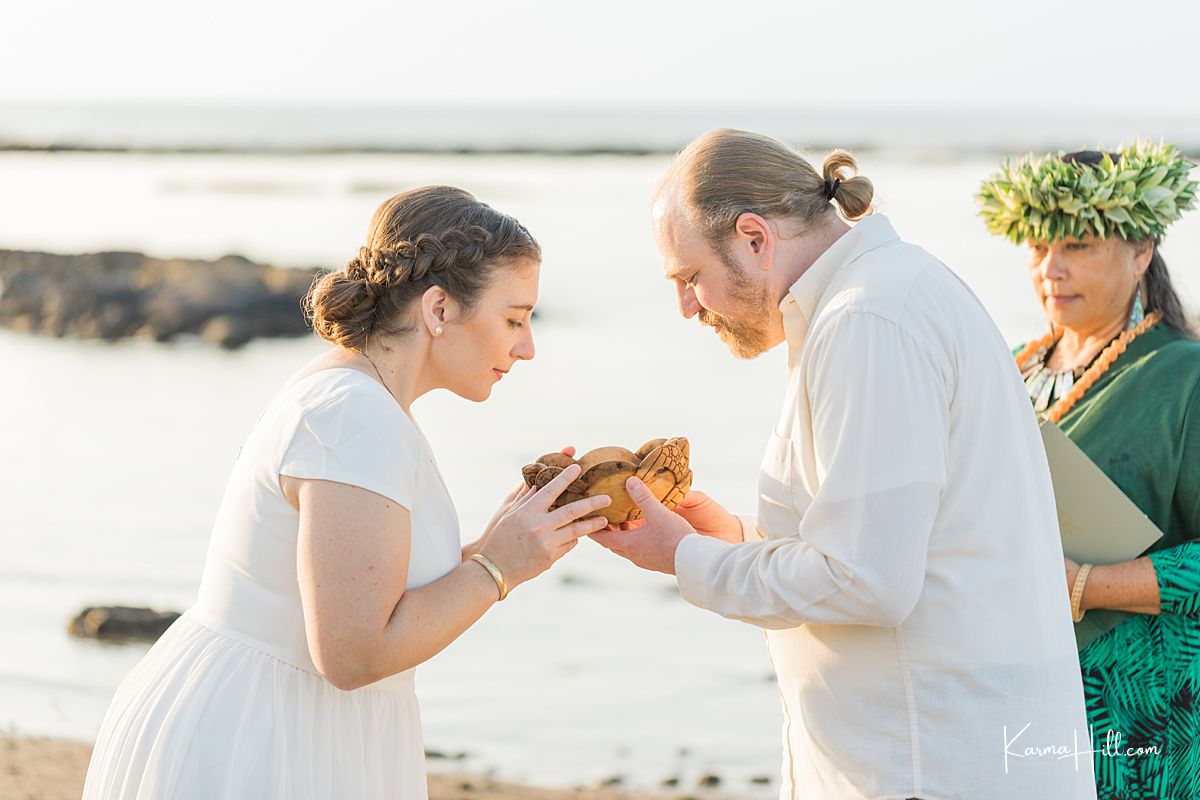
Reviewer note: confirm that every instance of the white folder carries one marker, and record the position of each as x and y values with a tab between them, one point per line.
1098	523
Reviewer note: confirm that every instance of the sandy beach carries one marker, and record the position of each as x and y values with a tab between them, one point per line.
33	768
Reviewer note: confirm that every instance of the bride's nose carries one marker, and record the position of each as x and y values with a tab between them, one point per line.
524	348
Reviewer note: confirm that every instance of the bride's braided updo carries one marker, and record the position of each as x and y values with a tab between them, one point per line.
433	236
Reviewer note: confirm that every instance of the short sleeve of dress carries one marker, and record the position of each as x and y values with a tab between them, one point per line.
359	436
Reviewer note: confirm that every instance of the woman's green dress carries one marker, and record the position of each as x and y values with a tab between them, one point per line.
1140	423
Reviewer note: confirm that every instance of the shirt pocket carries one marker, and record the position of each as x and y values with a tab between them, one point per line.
778	517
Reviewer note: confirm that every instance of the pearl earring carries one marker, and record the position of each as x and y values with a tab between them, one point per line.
437	331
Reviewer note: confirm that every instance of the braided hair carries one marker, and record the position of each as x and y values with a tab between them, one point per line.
433	236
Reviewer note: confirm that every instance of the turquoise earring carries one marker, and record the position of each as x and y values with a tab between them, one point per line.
1139	311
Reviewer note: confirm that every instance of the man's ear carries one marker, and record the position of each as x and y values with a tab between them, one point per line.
757	238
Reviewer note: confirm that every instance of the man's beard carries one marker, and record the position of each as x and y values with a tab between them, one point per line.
747	335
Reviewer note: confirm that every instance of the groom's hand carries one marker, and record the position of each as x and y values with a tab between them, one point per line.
652	544
709	518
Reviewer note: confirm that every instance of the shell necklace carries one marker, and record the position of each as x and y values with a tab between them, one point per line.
1043	384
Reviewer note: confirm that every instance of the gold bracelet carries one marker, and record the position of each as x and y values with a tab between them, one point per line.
1077	592
494	571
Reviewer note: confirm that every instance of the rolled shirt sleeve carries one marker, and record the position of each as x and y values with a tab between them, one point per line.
878	401
1178	572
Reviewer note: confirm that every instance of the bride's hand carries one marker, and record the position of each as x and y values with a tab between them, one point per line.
531	537
514	498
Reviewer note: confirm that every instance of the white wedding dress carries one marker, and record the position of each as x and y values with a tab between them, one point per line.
228	704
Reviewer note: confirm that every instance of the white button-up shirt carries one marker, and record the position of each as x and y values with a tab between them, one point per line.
905	559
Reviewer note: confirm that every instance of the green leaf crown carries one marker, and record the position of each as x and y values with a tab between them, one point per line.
1134	193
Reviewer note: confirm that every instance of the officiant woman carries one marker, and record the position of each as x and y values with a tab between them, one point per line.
1119	372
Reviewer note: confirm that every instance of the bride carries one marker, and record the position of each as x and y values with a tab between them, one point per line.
335	565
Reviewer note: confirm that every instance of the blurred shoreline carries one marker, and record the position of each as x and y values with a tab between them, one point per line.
938	132
37	768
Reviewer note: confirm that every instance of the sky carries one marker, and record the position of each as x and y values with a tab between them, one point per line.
1020	53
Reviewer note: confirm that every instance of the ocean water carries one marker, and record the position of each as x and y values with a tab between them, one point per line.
115	455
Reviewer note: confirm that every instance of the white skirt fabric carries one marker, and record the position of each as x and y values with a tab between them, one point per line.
207	715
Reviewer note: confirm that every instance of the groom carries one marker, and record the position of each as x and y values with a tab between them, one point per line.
905	558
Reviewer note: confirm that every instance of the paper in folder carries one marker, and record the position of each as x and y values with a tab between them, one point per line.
1097	522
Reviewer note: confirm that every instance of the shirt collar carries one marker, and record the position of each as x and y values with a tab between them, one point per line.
801	302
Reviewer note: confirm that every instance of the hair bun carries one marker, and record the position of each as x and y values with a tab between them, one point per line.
341	305
852	192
